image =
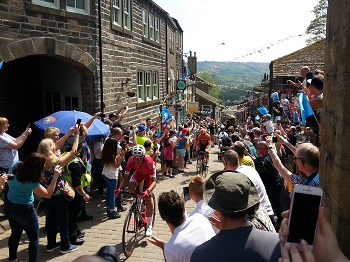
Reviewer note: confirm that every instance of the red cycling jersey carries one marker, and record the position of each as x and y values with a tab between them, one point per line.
145	171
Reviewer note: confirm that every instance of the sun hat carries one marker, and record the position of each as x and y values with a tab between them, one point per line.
230	192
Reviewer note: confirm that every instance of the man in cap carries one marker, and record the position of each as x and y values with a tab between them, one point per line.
141	136
234	197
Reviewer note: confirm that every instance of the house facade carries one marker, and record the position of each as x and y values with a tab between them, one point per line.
85	55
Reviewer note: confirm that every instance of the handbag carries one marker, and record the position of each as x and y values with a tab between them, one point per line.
67	190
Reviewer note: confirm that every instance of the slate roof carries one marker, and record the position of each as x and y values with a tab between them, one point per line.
206	96
311	56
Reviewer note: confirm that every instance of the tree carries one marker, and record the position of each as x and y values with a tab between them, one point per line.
317	27
213	87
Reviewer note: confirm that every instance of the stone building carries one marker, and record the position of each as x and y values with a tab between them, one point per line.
51	53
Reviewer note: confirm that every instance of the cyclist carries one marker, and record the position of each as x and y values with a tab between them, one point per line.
203	142
145	171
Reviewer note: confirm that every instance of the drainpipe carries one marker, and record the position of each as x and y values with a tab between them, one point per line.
166	56
102	107
270	87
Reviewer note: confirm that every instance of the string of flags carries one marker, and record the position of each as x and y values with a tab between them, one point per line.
254	51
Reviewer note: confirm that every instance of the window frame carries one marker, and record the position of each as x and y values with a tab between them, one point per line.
55	5
145	24
157	29
147	85
85	11
151	23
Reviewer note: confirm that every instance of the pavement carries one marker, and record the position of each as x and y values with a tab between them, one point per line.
100	231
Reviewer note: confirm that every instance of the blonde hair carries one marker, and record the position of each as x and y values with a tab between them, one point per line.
196	186
3	122
45	147
51	131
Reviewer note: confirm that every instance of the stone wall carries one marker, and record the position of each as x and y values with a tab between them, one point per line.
335	156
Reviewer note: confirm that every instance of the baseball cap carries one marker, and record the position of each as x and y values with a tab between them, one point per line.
142	128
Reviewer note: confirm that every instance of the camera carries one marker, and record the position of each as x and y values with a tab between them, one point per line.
274	139
108	253
10	177
102	115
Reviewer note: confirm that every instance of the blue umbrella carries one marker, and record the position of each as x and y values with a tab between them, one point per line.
64	120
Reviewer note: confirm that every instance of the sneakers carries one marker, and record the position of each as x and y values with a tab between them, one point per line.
149	231
72	248
180	170
113	215
50	250
170	175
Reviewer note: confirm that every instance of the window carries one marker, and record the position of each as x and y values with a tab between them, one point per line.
151	27
147	86
140	86
71	103
157	30
117	12
127	14
145	23
52	102
121	13
79	6
155	85
48	3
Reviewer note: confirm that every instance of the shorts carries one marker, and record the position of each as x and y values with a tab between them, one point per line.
180	152
203	147
169	163
138	177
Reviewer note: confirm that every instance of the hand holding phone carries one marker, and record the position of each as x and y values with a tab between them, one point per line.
302	224
78	122
102	115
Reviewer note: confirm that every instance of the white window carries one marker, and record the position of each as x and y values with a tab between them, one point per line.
151	26
157	30
140	86
148	86
47	3
155	85
117	19
127	14
79	6
145	23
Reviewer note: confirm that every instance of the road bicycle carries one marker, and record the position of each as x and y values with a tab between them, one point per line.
135	224
202	161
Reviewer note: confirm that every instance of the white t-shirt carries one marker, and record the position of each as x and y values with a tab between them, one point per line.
192	233
254	176
285	104
269	126
205	210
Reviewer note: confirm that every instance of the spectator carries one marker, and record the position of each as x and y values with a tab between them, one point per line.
181	150
306	157
112	156
9	147
196	187
97	167
116	118
187	233
234	197
285	106
267	123
271	178
19	207
231	163
240	148
57	205
277	110
169	153
141	136
76	173
54	134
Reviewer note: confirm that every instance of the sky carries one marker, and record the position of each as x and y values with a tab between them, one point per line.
241	30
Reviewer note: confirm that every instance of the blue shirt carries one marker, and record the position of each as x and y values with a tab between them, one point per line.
21	193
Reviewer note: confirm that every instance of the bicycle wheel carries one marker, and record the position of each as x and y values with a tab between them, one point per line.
206	169
130	230
198	166
203	167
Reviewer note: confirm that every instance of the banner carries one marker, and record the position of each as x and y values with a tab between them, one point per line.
193	107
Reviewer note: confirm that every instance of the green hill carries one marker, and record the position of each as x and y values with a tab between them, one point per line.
240	75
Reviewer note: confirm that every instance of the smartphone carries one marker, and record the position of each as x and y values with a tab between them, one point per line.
102	115
305	204
274	139
78	122
130	127
186	192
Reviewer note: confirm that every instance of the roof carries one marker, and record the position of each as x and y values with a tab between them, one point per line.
206	96
311	56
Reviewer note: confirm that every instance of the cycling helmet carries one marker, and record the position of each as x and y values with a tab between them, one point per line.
138	151
224	135
230	128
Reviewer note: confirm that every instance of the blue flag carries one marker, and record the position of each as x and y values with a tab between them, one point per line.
304	107
263	110
185	75
166	115
1	64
